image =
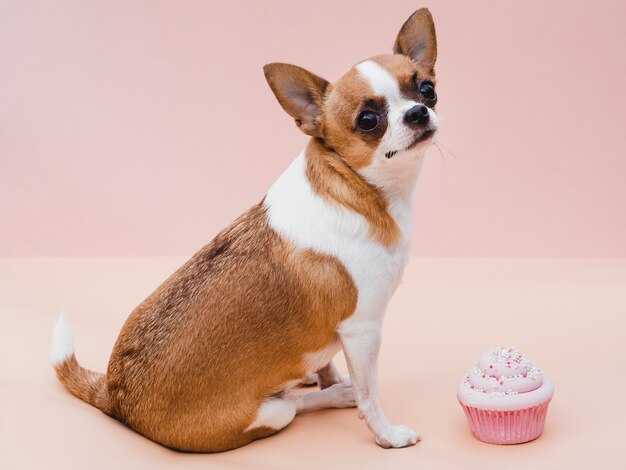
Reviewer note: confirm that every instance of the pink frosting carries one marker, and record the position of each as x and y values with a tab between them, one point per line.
504	379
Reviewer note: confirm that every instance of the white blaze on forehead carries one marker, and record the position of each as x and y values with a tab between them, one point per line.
379	79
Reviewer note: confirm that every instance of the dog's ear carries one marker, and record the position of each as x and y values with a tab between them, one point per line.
300	93
417	39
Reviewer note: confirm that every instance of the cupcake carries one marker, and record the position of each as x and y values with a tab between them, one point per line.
505	397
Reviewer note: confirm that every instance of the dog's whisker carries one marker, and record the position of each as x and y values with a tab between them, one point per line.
441	154
447	149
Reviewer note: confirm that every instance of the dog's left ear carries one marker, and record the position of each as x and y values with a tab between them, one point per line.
300	93
417	39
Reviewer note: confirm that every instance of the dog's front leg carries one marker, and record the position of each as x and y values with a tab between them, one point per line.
361	343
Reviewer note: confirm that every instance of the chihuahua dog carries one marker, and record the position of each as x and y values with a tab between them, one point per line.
207	361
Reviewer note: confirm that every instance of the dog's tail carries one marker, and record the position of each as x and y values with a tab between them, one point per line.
87	385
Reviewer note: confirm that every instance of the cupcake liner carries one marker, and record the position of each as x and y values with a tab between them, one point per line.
507	427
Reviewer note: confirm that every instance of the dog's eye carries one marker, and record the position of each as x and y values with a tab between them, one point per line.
427	89
367	121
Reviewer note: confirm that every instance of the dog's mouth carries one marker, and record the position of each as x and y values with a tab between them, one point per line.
427	134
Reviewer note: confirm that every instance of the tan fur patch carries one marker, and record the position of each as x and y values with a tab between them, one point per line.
417	39
231	327
345	100
85	384
299	92
336	182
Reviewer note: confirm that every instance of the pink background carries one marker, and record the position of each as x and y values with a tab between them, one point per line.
142	128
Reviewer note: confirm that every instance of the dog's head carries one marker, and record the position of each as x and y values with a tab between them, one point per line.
380	113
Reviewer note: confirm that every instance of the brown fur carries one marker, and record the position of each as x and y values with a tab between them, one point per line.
299	92
345	100
231	327
334	180
86	384
417	39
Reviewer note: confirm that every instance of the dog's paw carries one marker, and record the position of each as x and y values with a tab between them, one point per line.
328	376
309	380
326	381
397	436
344	395
344	380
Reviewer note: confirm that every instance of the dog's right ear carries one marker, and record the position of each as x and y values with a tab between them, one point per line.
300	93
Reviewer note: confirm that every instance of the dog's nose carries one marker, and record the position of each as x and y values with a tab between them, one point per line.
417	115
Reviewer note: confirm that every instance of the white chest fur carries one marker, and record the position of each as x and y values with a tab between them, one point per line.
308	221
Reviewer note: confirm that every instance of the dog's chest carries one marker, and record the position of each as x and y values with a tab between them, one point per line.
310	222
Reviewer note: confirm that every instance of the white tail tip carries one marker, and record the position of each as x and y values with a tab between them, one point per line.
62	341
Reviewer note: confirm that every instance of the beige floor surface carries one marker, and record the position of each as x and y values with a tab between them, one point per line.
567	315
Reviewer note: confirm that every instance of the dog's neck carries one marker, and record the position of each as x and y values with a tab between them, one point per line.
397	181
384	199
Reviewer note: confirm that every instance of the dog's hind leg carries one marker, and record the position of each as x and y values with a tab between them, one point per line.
325	377
329	375
277	412
274	414
339	395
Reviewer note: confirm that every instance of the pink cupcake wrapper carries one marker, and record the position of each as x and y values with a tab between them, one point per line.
507	427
